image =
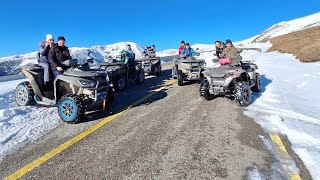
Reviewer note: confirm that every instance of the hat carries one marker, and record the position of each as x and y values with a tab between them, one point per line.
49	36
182	42
61	38
228	41
187	44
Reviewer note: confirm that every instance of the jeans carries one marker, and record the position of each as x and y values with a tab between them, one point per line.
56	73
46	71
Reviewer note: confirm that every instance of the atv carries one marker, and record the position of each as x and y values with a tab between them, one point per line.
74	92
119	73
187	69
236	81
150	63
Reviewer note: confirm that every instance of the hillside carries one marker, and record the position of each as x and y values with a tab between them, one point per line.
286	27
10	65
305	44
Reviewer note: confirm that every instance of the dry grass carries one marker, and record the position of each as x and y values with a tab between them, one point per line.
305	44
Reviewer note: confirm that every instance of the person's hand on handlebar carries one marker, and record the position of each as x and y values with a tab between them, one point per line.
59	69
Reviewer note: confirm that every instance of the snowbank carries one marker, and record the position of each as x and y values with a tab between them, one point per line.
21	125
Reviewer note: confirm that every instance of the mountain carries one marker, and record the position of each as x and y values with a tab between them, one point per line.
9	65
286	27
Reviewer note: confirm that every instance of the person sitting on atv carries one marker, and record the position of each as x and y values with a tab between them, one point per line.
188	51
127	55
45	47
181	48
230	52
219	48
152	49
57	55
146	50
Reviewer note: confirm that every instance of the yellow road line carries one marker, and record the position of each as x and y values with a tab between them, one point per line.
281	149
36	163
276	139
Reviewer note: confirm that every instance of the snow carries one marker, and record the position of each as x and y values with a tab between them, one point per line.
21	125
8	65
289	103
286	27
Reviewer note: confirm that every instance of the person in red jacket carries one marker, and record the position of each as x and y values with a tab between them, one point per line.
182	46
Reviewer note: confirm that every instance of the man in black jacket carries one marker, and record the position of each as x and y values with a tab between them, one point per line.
57	55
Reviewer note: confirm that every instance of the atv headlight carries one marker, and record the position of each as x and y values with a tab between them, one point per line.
86	83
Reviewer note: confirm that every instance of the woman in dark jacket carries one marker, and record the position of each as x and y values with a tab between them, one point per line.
57	55
45	47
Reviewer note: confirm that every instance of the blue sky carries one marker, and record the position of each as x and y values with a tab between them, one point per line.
161	22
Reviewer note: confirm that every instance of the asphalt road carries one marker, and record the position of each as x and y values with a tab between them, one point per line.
173	135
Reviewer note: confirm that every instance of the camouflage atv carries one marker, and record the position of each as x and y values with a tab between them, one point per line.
119	73
233	81
187	69
150	63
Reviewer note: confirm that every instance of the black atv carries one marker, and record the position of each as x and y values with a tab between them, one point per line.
119	73
74	92
150	63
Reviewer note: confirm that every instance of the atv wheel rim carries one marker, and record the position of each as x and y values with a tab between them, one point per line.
68	110
22	95
121	83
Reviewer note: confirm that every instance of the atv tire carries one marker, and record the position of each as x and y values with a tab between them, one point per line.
180	78
71	108
24	94
110	98
140	77
120	84
174	74
242	94
257	86
204	90
158	72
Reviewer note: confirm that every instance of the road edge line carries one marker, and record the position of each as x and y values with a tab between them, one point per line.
42	159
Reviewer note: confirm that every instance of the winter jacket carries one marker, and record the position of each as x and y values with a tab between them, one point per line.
188	52
57	55
44	53
230	53
219	51
180	50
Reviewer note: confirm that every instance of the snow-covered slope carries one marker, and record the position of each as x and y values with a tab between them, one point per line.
168	52
9	65
289	26
286	27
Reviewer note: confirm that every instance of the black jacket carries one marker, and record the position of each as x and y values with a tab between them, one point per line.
57	55
219	51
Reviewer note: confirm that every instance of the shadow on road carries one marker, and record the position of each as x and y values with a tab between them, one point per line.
132	94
